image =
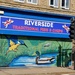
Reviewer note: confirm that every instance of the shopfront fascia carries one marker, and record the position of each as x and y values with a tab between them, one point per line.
34	23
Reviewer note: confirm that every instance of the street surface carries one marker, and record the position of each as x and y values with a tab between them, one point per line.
37	71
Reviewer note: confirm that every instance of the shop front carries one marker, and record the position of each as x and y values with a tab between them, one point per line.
34	39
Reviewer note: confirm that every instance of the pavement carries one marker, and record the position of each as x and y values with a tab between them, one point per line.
37	71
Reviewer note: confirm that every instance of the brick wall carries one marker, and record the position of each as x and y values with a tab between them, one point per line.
43	5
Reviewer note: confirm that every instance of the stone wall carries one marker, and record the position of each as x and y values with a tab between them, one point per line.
43	5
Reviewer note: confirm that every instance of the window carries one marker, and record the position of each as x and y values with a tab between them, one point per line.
32	1
53	3
65	4
20	1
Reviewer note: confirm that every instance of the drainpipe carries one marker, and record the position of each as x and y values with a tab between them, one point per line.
74	60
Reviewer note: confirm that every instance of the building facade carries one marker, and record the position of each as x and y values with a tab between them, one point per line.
35	33
52	6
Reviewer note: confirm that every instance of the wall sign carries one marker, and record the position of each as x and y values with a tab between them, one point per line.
33	25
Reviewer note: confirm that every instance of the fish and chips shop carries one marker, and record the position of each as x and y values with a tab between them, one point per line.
34	39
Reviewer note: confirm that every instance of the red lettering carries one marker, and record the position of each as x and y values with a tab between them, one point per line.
24	28
56	30
44	29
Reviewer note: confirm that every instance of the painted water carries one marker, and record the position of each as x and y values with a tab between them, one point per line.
28	61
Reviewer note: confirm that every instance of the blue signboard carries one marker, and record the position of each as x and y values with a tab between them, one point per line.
35	27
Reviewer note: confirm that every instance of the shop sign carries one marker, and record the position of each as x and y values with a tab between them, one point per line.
34	27
21	24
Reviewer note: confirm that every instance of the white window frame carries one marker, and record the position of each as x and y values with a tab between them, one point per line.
64	7
53	3
19	1
32	2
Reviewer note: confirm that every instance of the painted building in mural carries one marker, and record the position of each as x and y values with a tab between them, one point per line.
33	38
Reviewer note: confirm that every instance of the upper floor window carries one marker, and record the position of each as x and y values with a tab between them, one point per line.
53	3
19	1
32	1
65	4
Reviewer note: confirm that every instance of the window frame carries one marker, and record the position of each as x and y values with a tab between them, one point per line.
53	4
65	6
19	1
32	2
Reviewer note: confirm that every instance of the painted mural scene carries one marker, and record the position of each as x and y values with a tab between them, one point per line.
20	51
